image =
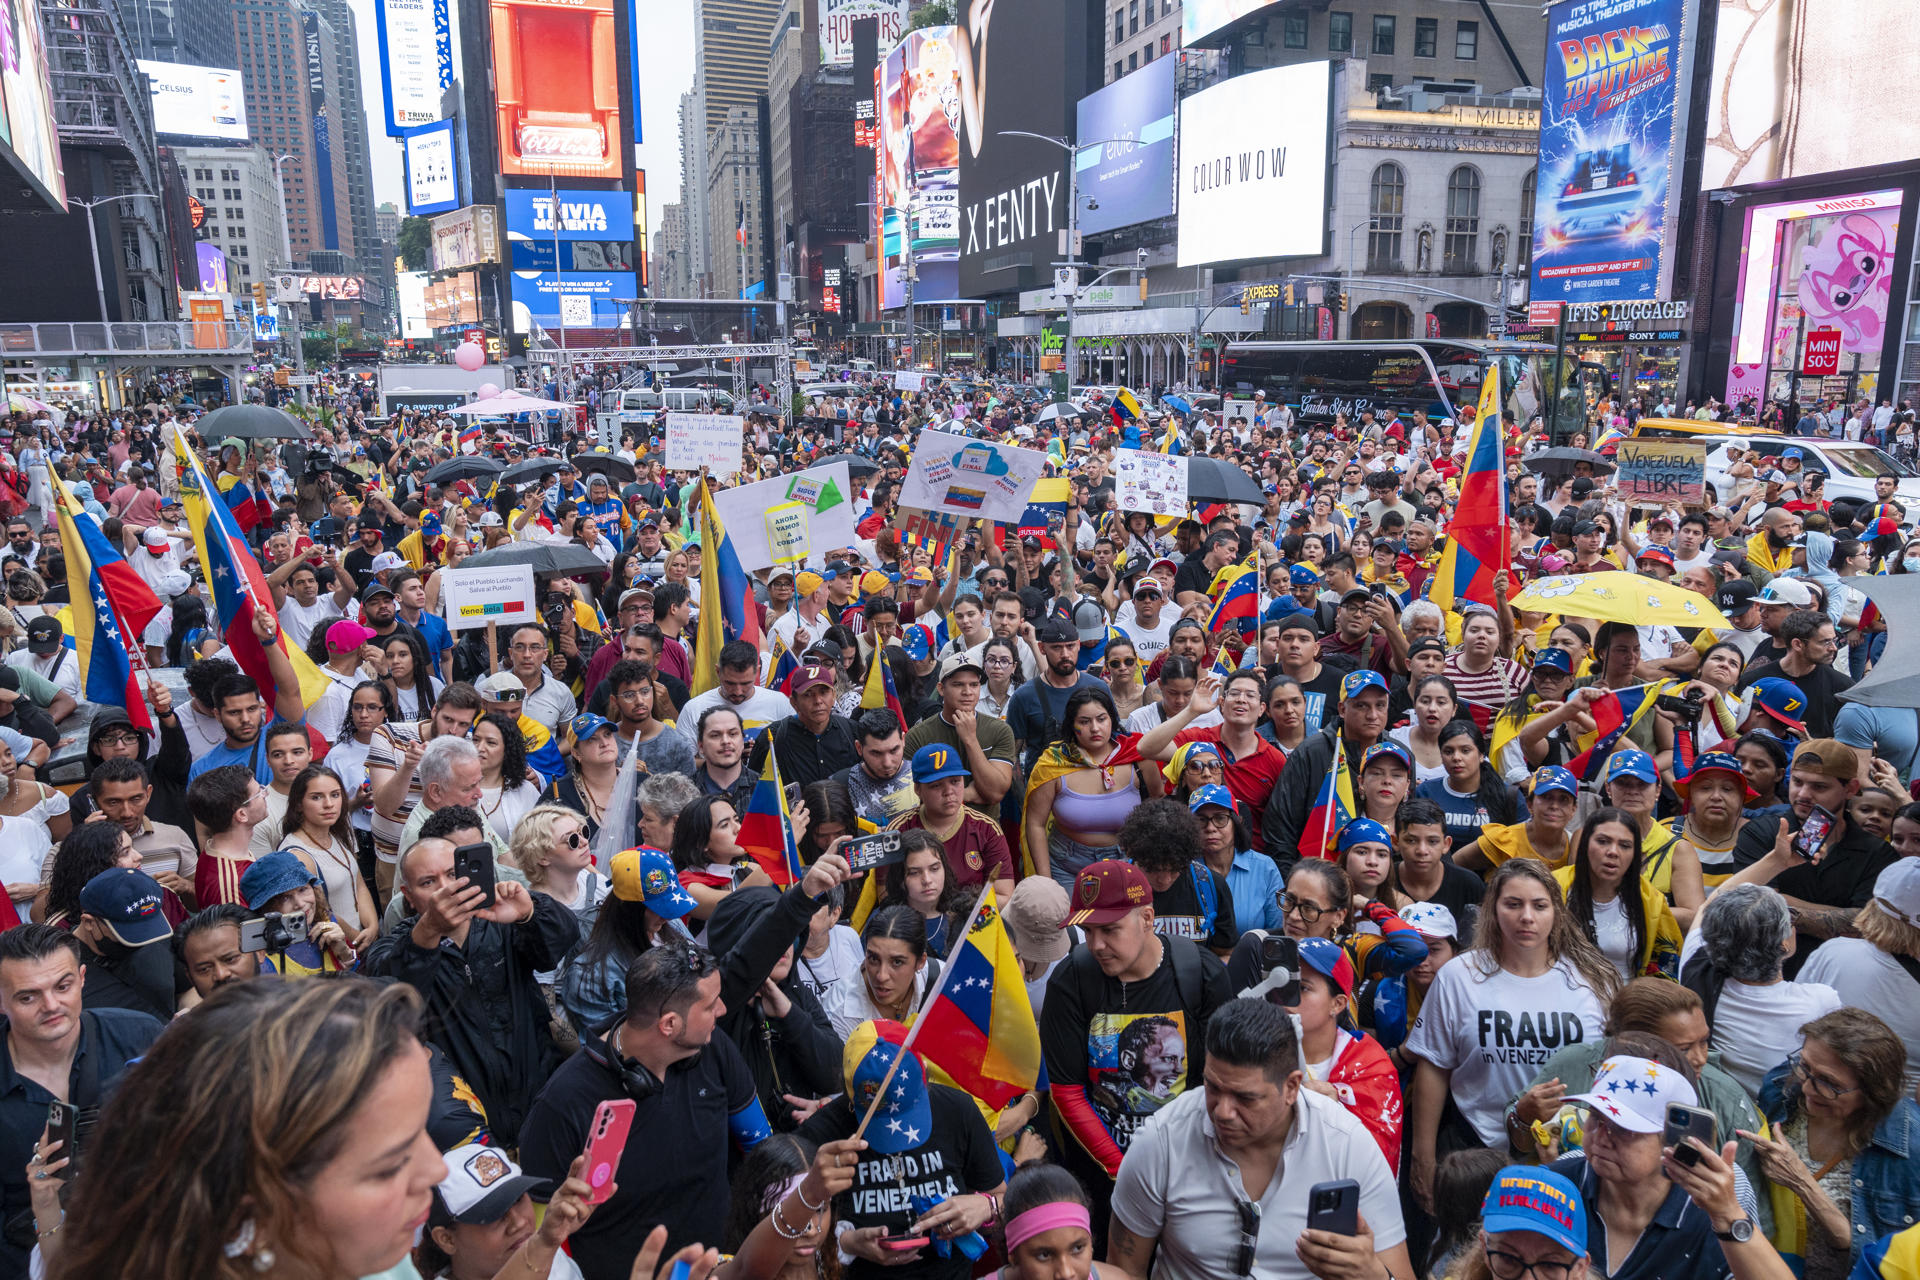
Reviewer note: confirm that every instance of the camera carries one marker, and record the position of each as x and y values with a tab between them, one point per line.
272	931
1280	969
1687	706
553	607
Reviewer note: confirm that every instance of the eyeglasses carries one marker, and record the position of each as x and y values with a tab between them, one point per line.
1511	1266
118	739
1221	819
1205	764
1308	911
1821	1084
527	648
1249	1214
632	695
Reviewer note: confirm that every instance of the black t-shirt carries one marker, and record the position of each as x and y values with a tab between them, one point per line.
1177	913
958	1158
359	563
1842	878
1323	696
1192	575
1461	892
1822	685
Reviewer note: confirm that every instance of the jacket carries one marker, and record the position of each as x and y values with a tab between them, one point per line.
167	767
1886	1176
1292	800
506	1067
1660	950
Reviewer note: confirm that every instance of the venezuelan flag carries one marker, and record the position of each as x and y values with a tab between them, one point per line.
1125	408
1332	809
728	612
120	604
766	828
1236	599
1613	717
1479	539
783	665
979	1034
1049	500
879	691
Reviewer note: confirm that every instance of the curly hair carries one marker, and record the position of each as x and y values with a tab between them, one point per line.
513	754
85	851
1161	835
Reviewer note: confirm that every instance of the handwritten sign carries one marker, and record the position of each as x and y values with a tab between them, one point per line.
710	440
825	493
909	382
967	477
1662	472
1150	482
474	597
787	532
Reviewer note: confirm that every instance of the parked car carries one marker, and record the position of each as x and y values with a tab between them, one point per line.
1850	467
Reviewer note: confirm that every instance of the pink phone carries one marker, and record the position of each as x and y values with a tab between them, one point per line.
606	1140
903	1243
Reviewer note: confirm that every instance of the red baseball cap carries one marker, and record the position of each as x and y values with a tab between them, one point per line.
1106	891
807	677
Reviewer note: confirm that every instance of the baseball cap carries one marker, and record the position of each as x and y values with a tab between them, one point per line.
1551	777
1714	762
374	589
1429	644
1302	575
1632	763
1897	891
958	662
502	682
388	560
1735	597
346	636
1364	831
1212	794
1583	527
155	536
806	582
905	1118
635	593
811	676
647	876
937	760
586	724
1032	915
1786	591
1829	758
648	518
917	642
1148	586
1090	621
1632	1093
44	634
1056	631
1356	595
1793	451
1526	1198
127	903
1554	659
481	1185
1784	700
1107	891
1390	750
269	877
1656	553
1163	560
1330	960
1431	920
1355	683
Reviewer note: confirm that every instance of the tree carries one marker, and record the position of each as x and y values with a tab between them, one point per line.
935	13
416	243
317	350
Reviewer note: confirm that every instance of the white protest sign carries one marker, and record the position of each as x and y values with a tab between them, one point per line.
970	477
710	440
1150	482
909	382
474	597
826	493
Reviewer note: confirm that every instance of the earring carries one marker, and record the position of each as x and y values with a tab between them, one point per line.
242	1244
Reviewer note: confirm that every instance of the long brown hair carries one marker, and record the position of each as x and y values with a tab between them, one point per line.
259	1083
1565	941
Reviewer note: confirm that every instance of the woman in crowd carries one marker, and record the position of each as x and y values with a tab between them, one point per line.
1253	881
319	834
644	901
1122	669
1613	902
707	856
1553	799
1530	963
920	881
1905	833
408	671
830	953
1763	759
1366	855
89	849
1631	784
1714	792
369	706
1076	800
485	1239
1341	1063
1049	1228
1389	1003
1435	706
1471	794
506	793
1519	747
1385	781
895	974
1320	525
1001	660
1194	765
549	845
1320	903
592	772
780	1217
1876	971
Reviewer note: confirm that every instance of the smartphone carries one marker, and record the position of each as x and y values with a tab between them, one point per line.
606	1141
1813	833
1685	1122
792	790
906	1242
1334	1207
880	849
63	1123
475	863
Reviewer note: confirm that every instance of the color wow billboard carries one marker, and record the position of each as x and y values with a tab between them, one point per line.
594	230
416	60
196	102
1126	149
919	163
1253	166
1612	125
836	26
432	184
556	80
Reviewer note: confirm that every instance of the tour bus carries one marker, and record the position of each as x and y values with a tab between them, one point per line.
1441	375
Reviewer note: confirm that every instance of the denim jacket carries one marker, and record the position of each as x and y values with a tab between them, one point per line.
1886	1175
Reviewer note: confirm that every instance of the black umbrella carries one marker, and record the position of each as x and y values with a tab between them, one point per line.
1561	461
531	469
856	465
616	469
569	558
251	422
465	467
1895	679
1211	480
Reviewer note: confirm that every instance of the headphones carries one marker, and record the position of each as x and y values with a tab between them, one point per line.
634	1079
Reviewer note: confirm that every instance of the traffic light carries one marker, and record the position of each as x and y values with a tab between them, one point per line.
1289	293
260	295
1246	304
1340	302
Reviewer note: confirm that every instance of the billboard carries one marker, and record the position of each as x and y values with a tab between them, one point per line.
1253	166
322	170
196	102
211	261
836	26
466	238
416	60
27	132
556	83
432	184
1201	18
592	234
342	288
455	300
1125	159
919	166
579	299
1612	129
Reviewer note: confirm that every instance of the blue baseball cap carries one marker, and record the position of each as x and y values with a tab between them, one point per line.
647	876
586	724
1782	699
1357	682
1554	659
1551	777
1213	794
277	873
127	904
1364	831
1632	763
917	643
1793	451
937	760
1388	748
1715	762
1526	1198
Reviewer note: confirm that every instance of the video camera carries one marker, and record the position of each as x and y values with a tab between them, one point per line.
1280	967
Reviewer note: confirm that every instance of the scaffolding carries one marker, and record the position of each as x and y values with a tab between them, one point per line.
738	355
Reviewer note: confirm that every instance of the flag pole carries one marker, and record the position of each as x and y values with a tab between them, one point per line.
939	986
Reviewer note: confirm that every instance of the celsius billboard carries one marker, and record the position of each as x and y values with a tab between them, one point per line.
1253	166
836	26
1612	132
557	88
1126	149
919	166
196	102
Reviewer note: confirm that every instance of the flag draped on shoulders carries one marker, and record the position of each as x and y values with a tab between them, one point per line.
1236	598
1614	716
112	606
1479	537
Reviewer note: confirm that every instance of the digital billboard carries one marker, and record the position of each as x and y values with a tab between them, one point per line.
432	184
416	60
556	83
919	166
579	299
26	101
1201	18
836	26
1253	166
593	232
1126	149
1612	127
211	263
466	238
196	102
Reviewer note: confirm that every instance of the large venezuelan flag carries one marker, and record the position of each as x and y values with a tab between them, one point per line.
1236	599
113	605
1479	538
1613	715
766	828
980	1033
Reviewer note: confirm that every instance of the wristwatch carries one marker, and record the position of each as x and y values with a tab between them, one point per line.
1739	1231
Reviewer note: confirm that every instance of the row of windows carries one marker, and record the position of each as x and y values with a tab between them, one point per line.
226	175
1142	56
1128	24
1460	244
1426	34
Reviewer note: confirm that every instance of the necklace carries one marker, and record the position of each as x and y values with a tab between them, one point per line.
1713	845
499	794
594	803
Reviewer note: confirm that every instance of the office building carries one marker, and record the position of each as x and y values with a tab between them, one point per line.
234	186
198	32
733	203
672	260
693	190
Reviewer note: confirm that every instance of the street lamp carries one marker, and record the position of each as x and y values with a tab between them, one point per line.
295	330
93	242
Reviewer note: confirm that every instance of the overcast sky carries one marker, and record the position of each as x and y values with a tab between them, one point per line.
666	34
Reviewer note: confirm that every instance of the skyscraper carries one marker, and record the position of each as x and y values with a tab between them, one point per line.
283	100
730	50
350	133
693	190
199	32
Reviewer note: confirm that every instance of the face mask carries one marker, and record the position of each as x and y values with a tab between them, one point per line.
1911	564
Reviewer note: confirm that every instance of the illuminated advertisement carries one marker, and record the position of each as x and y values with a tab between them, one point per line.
1253	166
1612	121
26	101
577	299
1125	159
455	300
416	60
836	26
1202	18
322	176
432	185
211	260
341	288
1816	278
196	102
919	166
592	233
557	85
466	238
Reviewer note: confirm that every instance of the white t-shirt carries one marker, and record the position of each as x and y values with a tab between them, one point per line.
1615	936
1494	1031
839	963
348	758
762	709
24	846
1150	642
299	620
66	679
1868	978
1755	1028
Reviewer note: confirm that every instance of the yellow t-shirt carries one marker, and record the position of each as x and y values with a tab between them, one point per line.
1501	841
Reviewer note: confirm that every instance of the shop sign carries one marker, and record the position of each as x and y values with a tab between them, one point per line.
1823	352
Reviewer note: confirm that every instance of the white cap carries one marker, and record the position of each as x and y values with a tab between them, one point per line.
1633	1093
502	682
388	560
482	1184
1431	920
1897	891
1785	591
155	536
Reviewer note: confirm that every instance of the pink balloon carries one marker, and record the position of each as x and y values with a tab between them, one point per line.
486	391
469	356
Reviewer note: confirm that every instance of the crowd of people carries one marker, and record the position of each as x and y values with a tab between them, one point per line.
351	985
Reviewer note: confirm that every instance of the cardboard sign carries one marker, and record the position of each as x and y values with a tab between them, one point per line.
474	597
966	477
787	532
824	493
710	440
1662	472
1150	482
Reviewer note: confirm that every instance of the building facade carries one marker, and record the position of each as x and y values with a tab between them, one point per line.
672	258
1494	46
198	32
736	235
235	188
693	191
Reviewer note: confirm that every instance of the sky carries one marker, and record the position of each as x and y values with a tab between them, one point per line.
665	33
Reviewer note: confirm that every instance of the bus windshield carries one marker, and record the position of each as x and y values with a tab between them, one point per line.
1324	380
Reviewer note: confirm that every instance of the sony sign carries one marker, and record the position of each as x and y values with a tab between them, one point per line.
1253	168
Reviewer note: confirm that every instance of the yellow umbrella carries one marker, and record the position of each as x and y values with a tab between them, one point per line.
1620	597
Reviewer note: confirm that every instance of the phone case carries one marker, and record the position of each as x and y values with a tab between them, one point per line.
606	1141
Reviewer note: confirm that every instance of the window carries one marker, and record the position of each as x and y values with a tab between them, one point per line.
1378	80
1466	41
1523	252
1133	61
1133	18
1426	37
1166	45
1339	33
1119	26
1146	54
1383	33
1463	219
1387	209
1118	70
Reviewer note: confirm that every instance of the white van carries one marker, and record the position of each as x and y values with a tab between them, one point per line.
642	405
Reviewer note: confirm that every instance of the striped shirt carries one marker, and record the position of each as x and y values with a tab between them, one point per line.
1486	692
388	751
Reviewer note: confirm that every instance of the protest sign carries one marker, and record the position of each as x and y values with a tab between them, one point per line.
1150	482
966	477
1662	472
826	494
474	597
909	382
710	440
787	539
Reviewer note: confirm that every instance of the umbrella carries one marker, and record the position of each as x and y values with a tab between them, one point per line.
466	467
1620	597
251	422
27	404
1894	680
1178	404
1211	480
856	465
569	558
1560	462
531	469
1060	409
506	403
616	469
